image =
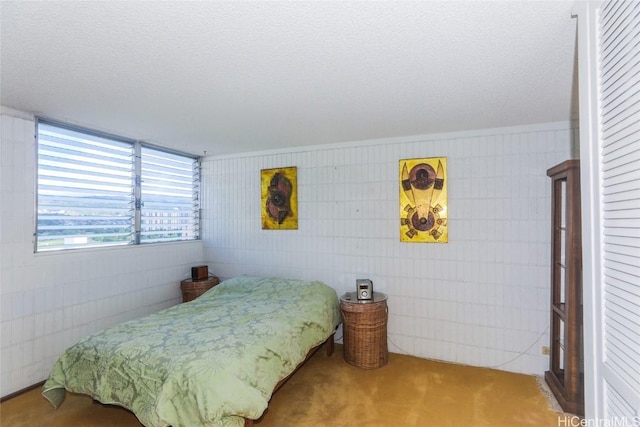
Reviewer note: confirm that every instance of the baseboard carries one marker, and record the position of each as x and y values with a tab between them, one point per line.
19	392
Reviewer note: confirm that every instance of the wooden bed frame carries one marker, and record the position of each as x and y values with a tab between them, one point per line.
329	351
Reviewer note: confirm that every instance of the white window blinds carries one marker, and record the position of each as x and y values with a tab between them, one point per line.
98	190
85	194
169	199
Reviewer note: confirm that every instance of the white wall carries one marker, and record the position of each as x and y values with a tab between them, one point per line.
49	300
481	299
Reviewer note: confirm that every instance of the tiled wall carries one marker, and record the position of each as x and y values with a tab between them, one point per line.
49	300
481	299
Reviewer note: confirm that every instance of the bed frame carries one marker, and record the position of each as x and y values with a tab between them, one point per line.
329	351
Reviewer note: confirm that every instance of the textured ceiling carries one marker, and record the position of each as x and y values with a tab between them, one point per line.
229	77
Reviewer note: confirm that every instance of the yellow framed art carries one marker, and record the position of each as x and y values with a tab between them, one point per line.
423	200
279	192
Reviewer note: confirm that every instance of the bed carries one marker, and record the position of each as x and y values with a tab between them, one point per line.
214	361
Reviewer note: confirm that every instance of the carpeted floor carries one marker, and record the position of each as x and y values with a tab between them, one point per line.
326	391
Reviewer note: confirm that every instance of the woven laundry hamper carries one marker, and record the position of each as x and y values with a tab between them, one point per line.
364	326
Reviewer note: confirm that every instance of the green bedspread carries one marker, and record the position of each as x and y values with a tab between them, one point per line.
208	362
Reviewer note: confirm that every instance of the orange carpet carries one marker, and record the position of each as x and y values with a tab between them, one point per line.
327	391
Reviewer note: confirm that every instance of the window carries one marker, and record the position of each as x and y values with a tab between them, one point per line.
169	208
95	189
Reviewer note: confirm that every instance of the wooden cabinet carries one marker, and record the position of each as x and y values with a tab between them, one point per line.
192	289
565	375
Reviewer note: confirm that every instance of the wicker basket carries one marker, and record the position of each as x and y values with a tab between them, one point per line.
365	333
192	289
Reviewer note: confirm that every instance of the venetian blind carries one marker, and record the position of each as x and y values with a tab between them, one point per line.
169	208
95	189
85	194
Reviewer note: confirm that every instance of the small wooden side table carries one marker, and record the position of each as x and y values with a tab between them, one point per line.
364	325
192	289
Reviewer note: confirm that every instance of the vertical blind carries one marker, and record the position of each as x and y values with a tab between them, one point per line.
88	194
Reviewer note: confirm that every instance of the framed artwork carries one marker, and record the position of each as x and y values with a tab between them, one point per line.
423	200
279	188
